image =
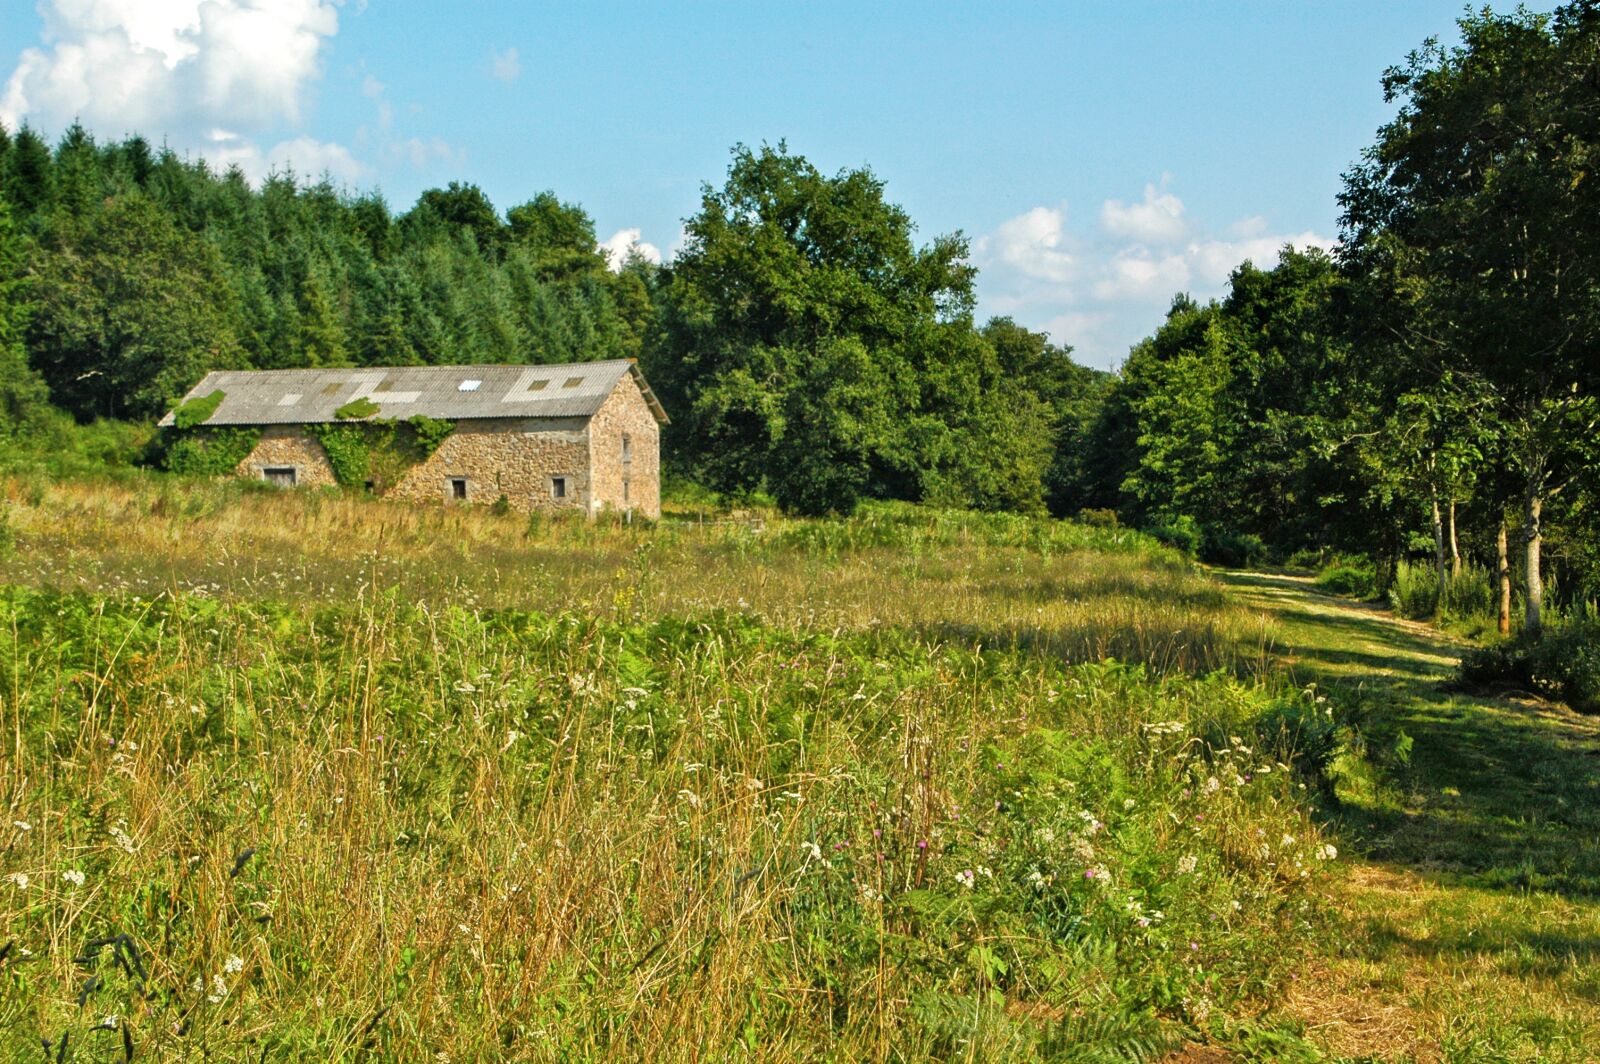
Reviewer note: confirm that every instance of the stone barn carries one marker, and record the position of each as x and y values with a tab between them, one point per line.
582	437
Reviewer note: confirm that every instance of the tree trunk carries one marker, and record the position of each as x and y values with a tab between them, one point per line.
1503	569
1455	548
1533	535
1438	552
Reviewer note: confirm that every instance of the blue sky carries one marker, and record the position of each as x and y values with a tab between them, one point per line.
1100	156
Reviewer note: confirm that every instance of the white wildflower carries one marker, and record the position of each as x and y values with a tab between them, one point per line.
1212	785
219	990
689	796
813	851
20	879
119	835
233	965
1327	852
1287	841
966	878
73	876
1127	804
1187	863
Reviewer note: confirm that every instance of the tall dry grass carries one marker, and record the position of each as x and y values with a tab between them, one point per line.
818	792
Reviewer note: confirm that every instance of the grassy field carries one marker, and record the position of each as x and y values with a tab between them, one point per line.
311	777
1471	926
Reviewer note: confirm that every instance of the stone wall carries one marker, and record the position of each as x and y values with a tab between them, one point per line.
289	446
625	413
514	457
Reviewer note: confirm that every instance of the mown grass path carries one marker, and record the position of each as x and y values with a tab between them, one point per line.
1468	928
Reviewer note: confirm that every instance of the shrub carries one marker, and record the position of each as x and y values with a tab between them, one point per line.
1235	550
1349	577
1562	664
1415	592
1181	533
204	452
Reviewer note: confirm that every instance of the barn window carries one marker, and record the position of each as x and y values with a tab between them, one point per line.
627	449
558	487
283	476
458	487
624	489
469	386
572	382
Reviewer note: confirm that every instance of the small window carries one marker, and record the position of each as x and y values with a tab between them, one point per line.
333	389
283	476
572	382
624	489
558	487
536	386
469	386
458	487
627	449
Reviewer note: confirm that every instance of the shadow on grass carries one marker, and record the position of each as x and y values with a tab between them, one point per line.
1497	793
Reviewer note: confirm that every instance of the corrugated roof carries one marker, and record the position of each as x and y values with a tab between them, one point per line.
309	396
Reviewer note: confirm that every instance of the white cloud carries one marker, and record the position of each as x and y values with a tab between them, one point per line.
420	154
1214	260
1158	220
212	75
1103	288
505	66
1033	245
1135	274
624	242
171	63
306	156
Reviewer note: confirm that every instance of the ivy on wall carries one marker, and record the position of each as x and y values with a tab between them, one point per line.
379	451
211	452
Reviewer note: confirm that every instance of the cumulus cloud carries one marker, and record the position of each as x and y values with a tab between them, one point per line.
1033	245
1136	274
304	156
216	76
506	65
1103	288
1157	220
171	63
624	242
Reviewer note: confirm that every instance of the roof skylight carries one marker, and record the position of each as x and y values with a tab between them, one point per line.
469	386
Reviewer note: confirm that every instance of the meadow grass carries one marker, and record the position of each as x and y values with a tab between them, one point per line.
1469	933
292	776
